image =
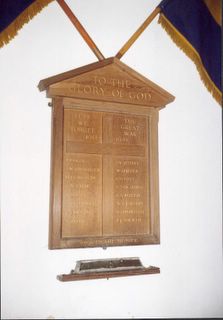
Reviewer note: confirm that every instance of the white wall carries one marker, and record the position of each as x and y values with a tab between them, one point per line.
190	254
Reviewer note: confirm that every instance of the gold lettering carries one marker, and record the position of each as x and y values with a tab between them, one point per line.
99	80
145	96
98	91
87	89
126	203
129	179
119	89
128	195
120	83
119	93
128	163
129	134
127	171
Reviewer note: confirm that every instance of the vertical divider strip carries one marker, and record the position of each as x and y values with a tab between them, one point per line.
107	178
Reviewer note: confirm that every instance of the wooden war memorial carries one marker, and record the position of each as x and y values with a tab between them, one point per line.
104	178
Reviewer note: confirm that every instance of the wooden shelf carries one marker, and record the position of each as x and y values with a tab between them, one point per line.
107	268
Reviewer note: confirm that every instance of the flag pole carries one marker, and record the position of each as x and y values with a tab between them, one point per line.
138	32
81	29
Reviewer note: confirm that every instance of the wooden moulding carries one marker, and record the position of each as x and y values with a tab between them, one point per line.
107	268
104	159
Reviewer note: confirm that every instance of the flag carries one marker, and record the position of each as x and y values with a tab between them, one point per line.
195	26
14	14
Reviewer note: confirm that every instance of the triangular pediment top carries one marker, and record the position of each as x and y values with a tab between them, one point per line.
45	83
107	80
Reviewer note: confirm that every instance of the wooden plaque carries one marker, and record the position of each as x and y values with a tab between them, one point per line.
104	172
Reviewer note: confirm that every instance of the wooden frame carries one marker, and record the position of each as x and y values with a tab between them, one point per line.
55	233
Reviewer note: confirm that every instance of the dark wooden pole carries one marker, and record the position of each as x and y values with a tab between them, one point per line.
138	32
81	29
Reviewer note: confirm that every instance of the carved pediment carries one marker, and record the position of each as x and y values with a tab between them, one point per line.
107	80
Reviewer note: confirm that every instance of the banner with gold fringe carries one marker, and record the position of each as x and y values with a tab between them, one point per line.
195	27
14	14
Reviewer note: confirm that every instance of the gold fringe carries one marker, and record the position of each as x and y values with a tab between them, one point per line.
189	50
12	30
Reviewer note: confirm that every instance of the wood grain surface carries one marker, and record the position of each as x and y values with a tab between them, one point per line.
104	160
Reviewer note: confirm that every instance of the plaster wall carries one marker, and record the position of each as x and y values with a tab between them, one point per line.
190	253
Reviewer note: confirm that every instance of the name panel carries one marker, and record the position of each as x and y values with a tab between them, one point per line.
82	176
82	126
129	130
82	192
131	212
105	189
